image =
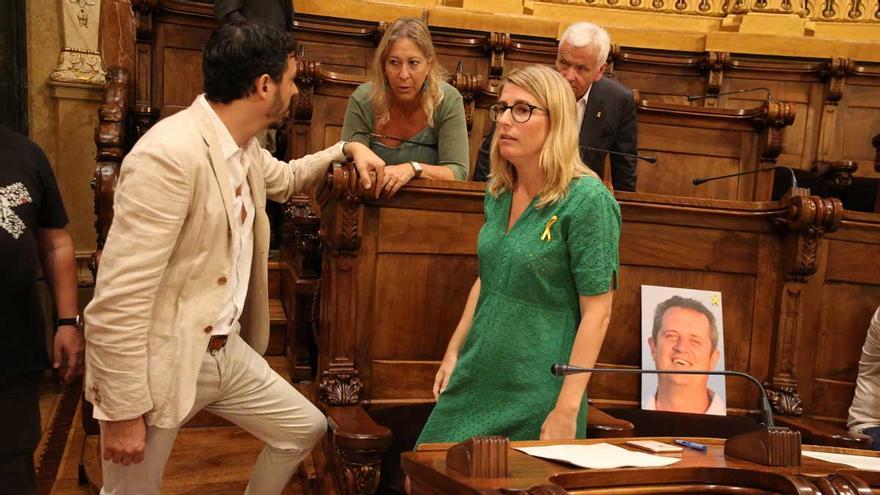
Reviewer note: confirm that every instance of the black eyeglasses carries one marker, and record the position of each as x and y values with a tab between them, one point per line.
520	112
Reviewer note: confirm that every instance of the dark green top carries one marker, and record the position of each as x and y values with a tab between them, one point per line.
443	143
527	313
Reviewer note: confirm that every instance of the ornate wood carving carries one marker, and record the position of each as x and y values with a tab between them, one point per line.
497	45
342	185
360	471
839	174
468	85
110	139
835	73
714	67
307	78
340	384
835	484
143	14
301	233
810	217
785	400
775	116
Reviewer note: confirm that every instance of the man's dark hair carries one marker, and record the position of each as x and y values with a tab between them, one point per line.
238	53
685	303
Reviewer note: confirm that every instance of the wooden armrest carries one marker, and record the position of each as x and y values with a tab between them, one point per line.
354	430
359	445
603	425
821	433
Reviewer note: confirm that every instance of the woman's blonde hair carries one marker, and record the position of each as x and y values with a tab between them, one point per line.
431	95
560	159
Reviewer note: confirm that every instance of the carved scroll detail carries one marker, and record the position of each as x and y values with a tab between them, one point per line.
836	73
467	85
811	217
111	141
307	78
785	399
714	64
143	12
340	386
497	44
839	173
775	116
360	478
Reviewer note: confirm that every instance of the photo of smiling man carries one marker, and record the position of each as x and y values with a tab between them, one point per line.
682	330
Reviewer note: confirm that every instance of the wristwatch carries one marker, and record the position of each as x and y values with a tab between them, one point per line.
417	167
76	322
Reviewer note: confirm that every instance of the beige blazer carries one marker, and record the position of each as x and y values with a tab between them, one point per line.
166	261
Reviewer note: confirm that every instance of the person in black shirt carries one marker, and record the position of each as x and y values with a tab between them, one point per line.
32	220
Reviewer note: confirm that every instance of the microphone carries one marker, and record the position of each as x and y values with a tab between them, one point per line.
766	412
749	90
372	135
703	180
647	158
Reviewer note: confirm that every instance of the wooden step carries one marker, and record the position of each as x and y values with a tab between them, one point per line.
204	461
210	455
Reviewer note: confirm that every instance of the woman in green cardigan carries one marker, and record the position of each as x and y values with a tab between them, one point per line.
408	115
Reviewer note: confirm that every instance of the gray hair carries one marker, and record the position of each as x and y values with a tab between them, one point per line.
582	34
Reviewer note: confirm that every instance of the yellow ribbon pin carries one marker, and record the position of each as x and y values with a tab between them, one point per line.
546	235
714	299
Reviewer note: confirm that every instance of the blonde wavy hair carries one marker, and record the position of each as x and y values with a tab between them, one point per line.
416	31
560	159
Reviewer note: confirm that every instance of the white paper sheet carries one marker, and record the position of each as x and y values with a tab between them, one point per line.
598	456
857	461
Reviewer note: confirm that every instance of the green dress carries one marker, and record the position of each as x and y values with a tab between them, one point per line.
527	313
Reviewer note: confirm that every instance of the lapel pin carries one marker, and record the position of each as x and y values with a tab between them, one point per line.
598	115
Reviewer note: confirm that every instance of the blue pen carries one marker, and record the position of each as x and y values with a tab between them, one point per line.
691	445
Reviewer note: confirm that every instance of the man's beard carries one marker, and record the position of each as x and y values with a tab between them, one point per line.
278	114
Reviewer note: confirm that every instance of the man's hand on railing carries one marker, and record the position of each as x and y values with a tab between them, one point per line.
366	161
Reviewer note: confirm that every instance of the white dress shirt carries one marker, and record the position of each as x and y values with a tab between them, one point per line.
242	246
582	107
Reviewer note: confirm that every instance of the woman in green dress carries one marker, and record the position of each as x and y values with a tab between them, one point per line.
548	265
408	115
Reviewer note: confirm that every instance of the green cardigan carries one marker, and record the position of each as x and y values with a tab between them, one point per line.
448	132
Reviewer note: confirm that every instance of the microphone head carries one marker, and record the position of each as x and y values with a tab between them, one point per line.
697	182
650	159
557	369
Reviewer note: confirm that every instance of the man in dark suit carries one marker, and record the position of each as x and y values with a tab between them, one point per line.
606	109
278	13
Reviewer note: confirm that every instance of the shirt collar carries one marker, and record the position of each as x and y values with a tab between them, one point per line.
227	144
585	97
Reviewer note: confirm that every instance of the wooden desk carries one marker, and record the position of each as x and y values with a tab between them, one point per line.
697	472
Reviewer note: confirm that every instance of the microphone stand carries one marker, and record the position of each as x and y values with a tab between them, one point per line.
748	90
770	446
703	180
647	158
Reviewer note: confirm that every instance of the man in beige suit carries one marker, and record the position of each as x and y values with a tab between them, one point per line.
180	313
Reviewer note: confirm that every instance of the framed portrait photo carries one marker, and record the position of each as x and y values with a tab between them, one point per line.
682	329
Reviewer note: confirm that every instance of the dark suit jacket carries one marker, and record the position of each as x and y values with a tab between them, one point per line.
609	123
278	13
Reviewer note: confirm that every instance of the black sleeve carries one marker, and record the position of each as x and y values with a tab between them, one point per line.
481	168
623	169
51	214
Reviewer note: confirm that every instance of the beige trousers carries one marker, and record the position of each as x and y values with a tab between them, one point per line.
237	384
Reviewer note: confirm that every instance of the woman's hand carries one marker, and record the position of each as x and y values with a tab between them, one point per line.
559	425
397	176
444	374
